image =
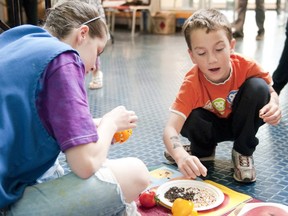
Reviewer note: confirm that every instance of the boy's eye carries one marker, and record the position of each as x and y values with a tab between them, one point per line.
201	53
219	49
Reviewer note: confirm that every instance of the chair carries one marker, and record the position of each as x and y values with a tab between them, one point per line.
152	6
3	26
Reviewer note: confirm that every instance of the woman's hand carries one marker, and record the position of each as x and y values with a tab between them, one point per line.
121	118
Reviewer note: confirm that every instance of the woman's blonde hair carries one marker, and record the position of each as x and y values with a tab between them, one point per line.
69	14
209	19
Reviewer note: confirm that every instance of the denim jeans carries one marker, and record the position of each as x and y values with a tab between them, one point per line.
70	195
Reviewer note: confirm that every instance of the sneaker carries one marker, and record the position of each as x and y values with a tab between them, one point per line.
188	149
238	35
97	81
244	170
260	36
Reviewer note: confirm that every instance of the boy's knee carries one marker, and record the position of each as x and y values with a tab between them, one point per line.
256	86
256	89
194	120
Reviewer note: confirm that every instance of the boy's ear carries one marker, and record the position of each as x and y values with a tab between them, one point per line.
191	55
232	45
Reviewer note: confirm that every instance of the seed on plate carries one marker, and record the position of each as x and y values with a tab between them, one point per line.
200	197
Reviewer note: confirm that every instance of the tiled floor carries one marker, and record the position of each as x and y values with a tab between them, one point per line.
144	75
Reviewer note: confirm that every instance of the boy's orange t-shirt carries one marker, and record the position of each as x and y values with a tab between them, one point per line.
196	91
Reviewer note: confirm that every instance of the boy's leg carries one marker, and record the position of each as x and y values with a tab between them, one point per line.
251	97
70	195
204	130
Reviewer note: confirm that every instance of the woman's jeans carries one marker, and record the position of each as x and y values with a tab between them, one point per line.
70	195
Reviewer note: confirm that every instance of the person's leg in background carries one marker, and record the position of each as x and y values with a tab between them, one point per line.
10	21
31	11
280	75
239	23
260	18
97	76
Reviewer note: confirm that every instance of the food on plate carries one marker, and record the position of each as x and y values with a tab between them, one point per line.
204	196
148	199
266	211
182	207
122	136
199	196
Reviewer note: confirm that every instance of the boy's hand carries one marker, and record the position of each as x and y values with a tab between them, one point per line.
271	112
191	167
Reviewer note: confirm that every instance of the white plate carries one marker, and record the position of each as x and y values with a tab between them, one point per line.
214	191
249	206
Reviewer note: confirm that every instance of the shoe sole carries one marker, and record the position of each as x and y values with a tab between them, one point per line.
244	180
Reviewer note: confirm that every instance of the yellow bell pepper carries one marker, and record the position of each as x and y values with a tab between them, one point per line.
182	207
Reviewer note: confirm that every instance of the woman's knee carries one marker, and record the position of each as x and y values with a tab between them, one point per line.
142	179
132	176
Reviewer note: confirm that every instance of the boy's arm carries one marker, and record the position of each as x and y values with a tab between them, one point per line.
271	112
190	166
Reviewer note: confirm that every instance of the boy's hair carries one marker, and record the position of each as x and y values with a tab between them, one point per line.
69	14
209	19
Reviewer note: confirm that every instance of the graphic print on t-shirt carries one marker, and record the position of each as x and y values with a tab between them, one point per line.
231	96
219	105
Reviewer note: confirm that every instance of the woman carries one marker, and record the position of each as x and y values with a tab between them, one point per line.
44	110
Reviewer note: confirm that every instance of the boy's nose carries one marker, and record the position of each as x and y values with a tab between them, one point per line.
212	58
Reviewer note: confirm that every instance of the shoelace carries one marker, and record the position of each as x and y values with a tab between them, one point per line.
244	161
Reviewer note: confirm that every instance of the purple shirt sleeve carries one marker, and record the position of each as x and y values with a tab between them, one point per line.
62	102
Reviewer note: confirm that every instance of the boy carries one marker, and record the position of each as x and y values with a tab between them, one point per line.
225	96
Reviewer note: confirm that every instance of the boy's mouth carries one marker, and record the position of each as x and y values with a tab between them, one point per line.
214	69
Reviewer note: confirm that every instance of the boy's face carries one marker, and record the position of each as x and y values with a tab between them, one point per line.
211	52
